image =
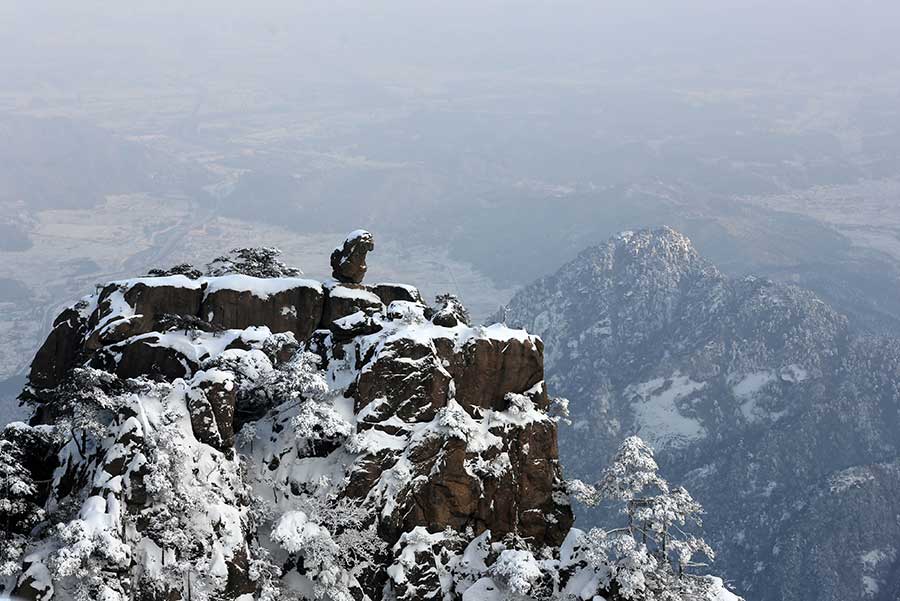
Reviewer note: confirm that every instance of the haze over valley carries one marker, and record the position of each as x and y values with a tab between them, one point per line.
147	136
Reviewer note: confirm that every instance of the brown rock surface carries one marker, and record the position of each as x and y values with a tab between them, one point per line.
486	369
126	311
348	261
510	487
148	302
342	300
58	353
407	380
211	404
296	310
519	500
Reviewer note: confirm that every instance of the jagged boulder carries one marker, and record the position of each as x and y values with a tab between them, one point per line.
389	293
348	261
211	403
505	479
407	379
506	489
342	300
486	369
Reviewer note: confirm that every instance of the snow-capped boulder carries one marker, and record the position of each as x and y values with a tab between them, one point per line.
348	261
389	293
147	355
467	406
342	300
356	324
133	324
147	299
281	304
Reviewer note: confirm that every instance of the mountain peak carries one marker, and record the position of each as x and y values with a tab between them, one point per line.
657	247
751	391
656	236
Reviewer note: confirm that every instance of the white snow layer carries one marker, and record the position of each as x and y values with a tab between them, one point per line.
659	420
259	287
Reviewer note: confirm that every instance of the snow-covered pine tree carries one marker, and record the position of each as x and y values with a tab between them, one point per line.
260	262
20	508
648	557
83	405
450	311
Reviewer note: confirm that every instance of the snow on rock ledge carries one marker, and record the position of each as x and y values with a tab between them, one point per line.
467	406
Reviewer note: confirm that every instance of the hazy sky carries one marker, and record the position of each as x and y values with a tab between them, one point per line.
74	42
597	115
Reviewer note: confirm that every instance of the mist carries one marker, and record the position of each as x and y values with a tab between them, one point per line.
463	128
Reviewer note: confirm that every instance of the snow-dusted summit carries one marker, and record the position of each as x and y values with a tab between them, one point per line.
784	425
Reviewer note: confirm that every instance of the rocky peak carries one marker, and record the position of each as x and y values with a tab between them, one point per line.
662	248
752	392
285	395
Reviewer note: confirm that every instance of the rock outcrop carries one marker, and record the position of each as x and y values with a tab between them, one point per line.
204	413
348	261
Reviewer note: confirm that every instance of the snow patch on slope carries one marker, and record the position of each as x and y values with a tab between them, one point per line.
658	417
747	389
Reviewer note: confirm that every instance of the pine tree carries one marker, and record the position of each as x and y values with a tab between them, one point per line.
20	508
450	311
648	557
261	262
331	542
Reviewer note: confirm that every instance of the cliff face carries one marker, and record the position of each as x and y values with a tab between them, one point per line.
782	423
219	421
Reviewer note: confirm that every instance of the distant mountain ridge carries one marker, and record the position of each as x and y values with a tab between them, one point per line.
755	394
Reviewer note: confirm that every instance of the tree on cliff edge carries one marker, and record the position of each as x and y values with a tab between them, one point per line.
649	556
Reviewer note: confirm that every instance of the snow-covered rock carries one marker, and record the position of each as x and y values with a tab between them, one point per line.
348	261
234	437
